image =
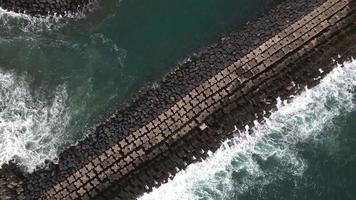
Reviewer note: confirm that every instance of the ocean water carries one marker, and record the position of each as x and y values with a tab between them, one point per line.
305	150
60	76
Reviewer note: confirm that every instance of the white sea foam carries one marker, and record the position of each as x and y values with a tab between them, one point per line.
10	20
13	21
30	127
274	141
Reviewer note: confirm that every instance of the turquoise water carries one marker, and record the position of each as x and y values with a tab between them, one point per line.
305	150
58	77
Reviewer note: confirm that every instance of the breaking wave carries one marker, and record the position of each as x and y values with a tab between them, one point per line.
52	126
30	127
270	153
11	21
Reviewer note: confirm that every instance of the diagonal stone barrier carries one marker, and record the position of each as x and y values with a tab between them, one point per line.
147	155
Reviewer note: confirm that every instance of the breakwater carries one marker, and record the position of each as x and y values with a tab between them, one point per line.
190	112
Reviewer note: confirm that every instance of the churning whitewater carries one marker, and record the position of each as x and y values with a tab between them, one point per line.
270	153
13	21
30	128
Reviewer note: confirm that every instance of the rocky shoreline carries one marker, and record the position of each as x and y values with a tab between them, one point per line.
152	103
